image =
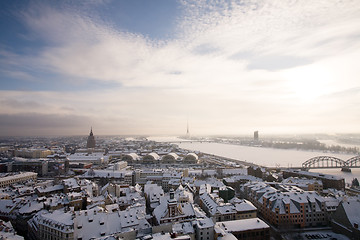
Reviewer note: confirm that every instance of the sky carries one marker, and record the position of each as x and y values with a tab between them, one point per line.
150	67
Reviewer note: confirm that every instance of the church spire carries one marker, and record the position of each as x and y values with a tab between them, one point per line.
91	140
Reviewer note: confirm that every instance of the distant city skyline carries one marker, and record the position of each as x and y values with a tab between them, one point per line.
155	67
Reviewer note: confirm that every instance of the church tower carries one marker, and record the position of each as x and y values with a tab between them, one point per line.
91	140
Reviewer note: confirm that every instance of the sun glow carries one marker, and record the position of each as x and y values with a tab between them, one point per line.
309	82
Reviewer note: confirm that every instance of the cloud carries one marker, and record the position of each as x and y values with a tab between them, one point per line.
35	124
233	66
280	34
13	103
272	63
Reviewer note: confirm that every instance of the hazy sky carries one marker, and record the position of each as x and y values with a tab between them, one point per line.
146	67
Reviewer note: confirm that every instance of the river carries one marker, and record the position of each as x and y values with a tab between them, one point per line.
268	157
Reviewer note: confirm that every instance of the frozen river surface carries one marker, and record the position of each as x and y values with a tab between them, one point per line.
268	157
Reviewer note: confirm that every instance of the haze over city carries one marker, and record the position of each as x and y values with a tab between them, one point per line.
149	67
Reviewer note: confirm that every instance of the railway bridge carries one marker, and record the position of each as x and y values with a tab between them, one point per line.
332	162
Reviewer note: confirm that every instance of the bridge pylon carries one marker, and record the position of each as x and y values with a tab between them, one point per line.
345	169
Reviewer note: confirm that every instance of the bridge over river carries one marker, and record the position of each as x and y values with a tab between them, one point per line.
332	162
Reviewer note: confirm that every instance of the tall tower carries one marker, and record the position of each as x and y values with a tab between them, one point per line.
187	130
91	140
256	136
172	205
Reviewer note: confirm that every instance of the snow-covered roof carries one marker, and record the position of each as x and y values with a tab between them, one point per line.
71	183
97	173
86	157
133	156
315	174
153	155
153	191
210	204
227	236
226	209
283	195
7	205
237	178
192	155
10	177
186	210
167	236
237	171
7	231
205	223
242	225
304	181
183	228
352	210
171	155
244	206
49	189
58	219
31	207
96	222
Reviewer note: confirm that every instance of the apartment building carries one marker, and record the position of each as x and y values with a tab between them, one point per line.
329	181
287	206
305	183
219	211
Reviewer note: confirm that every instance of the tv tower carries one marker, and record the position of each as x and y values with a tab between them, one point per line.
187	130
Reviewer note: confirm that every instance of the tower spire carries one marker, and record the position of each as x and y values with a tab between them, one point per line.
187	130
91	140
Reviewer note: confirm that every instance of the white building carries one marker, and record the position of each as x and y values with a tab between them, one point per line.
253	228
204	229
95	158
10	179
